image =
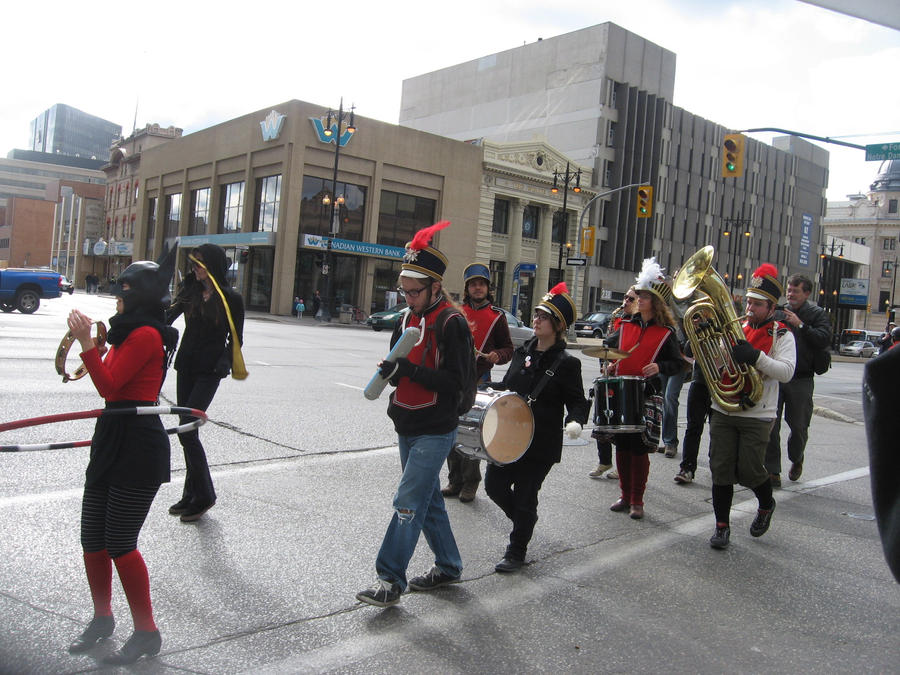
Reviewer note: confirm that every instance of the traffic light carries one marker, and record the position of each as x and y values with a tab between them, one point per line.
645	201
733	156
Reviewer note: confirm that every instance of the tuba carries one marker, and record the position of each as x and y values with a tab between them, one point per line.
712	327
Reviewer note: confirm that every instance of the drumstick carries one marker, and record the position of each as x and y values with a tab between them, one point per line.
404	346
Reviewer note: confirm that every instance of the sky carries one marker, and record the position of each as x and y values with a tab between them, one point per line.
740	63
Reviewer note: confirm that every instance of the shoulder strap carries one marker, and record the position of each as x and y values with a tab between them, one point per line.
441	319
550	372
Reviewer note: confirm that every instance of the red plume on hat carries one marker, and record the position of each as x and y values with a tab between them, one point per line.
764	283
558	303
426	234
766	270
559	288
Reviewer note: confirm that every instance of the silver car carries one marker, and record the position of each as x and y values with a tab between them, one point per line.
858	348
518	331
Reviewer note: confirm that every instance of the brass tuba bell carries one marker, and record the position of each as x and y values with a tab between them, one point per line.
713	328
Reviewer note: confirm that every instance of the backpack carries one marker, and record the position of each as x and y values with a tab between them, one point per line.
469	389
821	361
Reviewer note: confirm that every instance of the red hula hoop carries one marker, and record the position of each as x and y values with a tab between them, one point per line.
199	416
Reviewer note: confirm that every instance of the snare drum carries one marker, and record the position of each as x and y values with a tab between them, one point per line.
619	404
498	428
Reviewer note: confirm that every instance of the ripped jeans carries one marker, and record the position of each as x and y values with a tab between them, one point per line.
419	507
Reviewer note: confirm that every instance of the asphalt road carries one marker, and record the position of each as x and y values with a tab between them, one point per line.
305	470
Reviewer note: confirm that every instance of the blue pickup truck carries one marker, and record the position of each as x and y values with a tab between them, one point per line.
23	289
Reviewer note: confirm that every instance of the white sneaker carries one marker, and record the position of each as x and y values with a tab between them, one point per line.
612	475
600	470
684	477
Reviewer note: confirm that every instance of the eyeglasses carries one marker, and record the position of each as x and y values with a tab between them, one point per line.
411	293
630	298
540	316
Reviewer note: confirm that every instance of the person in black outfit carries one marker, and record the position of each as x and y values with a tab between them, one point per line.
698	408
204	358
812	332
514	487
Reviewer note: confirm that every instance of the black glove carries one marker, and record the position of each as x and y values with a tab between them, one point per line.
397	369
223	367
744	352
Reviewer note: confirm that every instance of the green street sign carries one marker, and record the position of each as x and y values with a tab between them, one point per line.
881	151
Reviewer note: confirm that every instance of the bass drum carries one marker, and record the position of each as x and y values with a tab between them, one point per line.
498	428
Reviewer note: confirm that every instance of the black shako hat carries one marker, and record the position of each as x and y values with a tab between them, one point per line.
559	303
421	260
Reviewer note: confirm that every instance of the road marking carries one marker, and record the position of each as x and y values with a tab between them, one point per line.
841	398
349	386
262	363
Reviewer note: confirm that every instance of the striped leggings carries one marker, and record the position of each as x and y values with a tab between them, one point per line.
112	517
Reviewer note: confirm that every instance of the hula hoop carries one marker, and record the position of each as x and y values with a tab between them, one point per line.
198	415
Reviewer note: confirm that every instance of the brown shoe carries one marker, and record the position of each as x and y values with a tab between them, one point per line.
620	505
467	494
451	490
637	511
796	471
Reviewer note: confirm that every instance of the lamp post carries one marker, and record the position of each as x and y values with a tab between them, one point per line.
730	224
335	118
835	278
562	218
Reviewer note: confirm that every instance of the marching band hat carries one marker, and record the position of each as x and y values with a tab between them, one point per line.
653	280
559	304
764	284
476	271
421	260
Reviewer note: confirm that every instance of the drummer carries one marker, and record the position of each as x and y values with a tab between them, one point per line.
649	338
544	371
604	447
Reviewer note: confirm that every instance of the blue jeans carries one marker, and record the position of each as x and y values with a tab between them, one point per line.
419	507
671	389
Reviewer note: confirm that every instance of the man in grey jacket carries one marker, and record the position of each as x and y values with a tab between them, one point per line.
812	332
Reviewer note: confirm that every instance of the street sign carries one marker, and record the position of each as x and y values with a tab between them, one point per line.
881	151
578	262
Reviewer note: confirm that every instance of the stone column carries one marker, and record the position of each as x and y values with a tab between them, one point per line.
545	260
516	207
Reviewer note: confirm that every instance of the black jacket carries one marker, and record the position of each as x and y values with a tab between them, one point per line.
206	342
564	389
814	335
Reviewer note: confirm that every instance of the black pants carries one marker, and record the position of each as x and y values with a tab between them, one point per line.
112	517
196	391
795	402
464	470
514	488
698	406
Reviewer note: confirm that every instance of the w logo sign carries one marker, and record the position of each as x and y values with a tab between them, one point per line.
320	132
272	125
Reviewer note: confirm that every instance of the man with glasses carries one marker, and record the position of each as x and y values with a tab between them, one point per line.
423	408
493	346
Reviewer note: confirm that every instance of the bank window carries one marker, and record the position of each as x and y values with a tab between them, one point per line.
268	199
173	215
890	244
501	216
401	215
530	218
232	207
199	211
315	213
887	268
892	206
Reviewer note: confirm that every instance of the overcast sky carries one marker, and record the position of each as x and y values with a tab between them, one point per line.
195	63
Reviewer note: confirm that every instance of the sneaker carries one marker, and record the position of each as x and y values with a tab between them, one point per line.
720	539
508	565
796	470
451	490
671	450
432	579
180	506
600	470
684	477
775	479
381	594
612	475
467	494
762	521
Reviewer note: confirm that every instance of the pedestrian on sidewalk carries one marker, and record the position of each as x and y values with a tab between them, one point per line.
299	308
493	346
129	454
423	407
557	401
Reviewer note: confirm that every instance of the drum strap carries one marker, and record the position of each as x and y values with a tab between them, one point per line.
550	372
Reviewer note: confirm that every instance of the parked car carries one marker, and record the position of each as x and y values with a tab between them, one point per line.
66	286
858	348
386	319
23	289
592	325
518	331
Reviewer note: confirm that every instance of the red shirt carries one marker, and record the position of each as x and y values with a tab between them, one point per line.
131	371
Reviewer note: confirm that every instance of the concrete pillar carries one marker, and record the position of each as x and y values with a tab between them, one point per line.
516	214
545	260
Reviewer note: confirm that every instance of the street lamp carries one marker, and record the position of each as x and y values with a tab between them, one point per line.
826	252
336	136
562	218
731	223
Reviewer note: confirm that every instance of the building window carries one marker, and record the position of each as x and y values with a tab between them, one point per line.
860	240
501	216
232	207
136	192
173	216
611	134
890	244
531	222
887	268
315	216
149	240
268	198
401	215
892	206
199	211
608	173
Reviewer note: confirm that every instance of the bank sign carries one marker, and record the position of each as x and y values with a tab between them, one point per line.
354	247
319	126
854	293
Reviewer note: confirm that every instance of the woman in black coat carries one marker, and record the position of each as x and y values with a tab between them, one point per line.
514	487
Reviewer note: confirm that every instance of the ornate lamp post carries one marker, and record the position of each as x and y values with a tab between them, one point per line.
339	136
562	217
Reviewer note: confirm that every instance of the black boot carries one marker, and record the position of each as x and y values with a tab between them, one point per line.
140	643
100	628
